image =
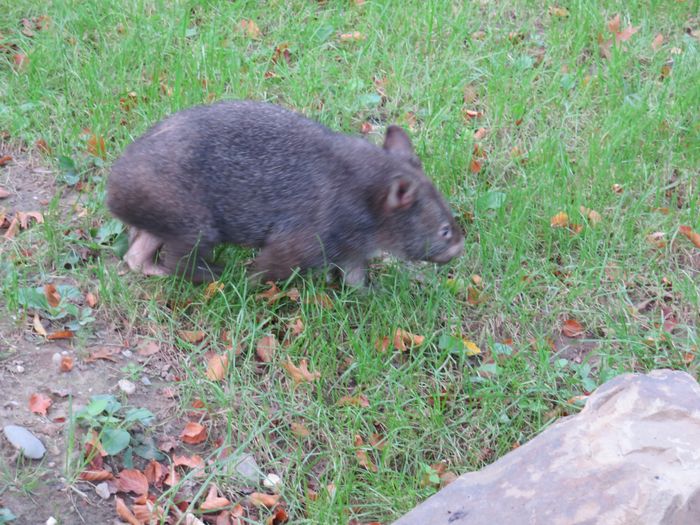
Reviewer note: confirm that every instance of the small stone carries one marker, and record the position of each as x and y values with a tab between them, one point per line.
127	353
126	386
102	490
56	359
247	468
272	481
20	369
51	521
145	380
24	440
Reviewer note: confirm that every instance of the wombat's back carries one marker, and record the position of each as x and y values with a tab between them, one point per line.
233	164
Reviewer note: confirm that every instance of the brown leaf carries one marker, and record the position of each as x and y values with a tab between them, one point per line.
251	29
561	12
362	457
24	217
38	327
560	220
52	295
614	24
480	133
282	51
173	478
377	441
469	94
39	403
212	289
124	513
104	352
657	239
353	36
192	336
593	216
155	473
66	363
365	128
216	367
132	480
357	401
5	159
213	501
404	340
572	328
301	373
266	348
12	229
147	512
96	475
260	499
626	34
475	166
296	327
194	462
193	433
657	42
21	61
148	349
42	146
61	334
472	114
279	516
617	188
96	146
692	236
91	299
299	430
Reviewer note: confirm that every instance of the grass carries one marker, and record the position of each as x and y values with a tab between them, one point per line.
581	123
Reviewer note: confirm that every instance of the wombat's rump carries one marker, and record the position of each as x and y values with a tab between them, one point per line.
258	175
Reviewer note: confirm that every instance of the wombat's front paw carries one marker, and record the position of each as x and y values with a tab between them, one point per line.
355	276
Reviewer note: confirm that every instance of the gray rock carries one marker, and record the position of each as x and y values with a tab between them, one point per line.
246	467
24	440
630	457
126	386
102	490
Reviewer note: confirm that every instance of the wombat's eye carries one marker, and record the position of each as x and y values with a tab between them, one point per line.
445	231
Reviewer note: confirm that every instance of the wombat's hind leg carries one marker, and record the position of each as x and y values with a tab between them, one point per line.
140	257
188	259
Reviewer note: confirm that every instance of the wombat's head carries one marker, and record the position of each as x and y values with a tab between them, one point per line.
417	224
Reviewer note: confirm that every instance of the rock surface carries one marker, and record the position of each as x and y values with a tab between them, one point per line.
24	440
630	457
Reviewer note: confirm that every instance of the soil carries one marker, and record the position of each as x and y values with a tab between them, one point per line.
36	490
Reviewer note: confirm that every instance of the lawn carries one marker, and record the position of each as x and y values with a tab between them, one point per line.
566	140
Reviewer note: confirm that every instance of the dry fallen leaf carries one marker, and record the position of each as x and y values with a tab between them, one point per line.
480	133
299	430
403	340
350	37
104	352
301	373
212	289
216	367
693	236
572	328
266	348
358	401
173	478
377	441
155	473
148	349
192	336
61	334
657	42
132	480
213	501
194	462
475	166
657	239
469	94
5	159
279	516
96	475
66	363
362	457
593	216
96	146
251	29
193	433
52	295
296	326
38	327
39	403
91	299
470	347
561	12
21	61
560	220
260	499
24	216
124	513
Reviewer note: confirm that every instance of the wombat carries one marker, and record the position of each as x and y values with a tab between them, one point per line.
257	175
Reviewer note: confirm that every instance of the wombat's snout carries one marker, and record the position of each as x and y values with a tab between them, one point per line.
454	250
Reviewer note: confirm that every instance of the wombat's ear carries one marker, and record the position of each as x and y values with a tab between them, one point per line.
397	141
401	195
